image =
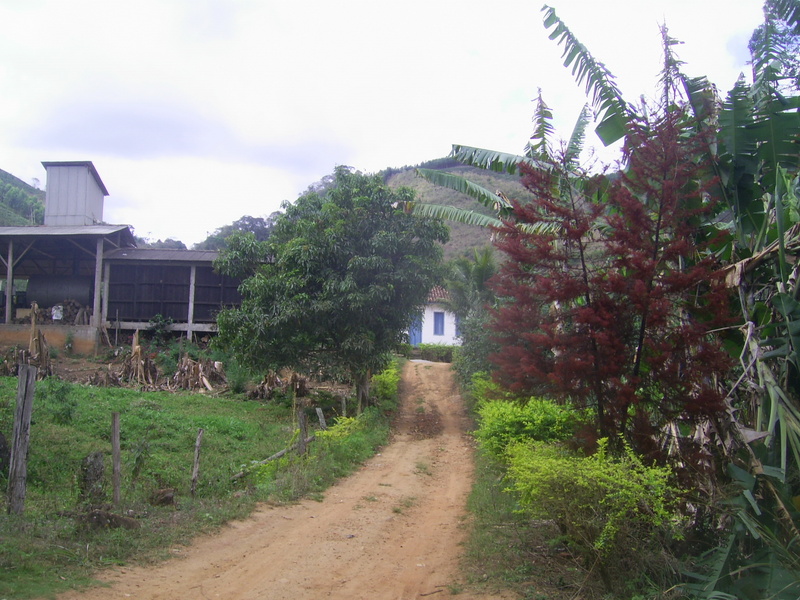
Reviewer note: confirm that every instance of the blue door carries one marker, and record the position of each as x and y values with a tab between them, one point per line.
415	331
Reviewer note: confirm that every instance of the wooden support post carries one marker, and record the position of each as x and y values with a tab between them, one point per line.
116	478
9	316
192	292
196	467
98	277
18	471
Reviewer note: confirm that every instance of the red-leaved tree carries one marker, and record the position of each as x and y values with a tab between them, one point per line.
609	295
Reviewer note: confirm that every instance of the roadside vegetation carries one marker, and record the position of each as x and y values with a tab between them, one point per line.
56	546
640	401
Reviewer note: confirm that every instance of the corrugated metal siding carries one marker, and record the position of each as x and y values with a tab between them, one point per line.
213	292
138	292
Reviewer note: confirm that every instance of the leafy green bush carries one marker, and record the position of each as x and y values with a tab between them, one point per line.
506	422
386	387
435	352
617	513
159	328
237	376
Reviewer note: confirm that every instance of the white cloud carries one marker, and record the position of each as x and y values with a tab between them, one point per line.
197	112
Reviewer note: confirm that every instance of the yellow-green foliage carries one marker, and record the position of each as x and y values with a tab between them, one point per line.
615	511
344	427
505	422
385	386
506	419
335	453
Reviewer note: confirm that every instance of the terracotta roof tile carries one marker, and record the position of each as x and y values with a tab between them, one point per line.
437	294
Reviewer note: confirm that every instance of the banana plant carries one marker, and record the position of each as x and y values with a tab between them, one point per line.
538	152
611	110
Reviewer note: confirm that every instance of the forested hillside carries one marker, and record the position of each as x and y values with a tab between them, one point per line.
20	203
462	237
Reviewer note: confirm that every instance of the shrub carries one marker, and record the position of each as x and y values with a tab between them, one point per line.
506	422
435	352
386	387
617	513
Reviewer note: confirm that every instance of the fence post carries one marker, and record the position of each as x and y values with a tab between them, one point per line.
196	467
115	459
321	417
302	423
18	470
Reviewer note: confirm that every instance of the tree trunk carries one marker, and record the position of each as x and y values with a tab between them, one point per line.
362	389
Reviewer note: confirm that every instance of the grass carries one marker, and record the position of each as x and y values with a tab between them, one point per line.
404	504
422	468
45	551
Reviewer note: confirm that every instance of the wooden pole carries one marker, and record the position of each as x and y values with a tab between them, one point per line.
196	467
302	423
323	425
18	471
115	458
9	316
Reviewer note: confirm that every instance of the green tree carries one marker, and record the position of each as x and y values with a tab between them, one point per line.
471	298
337	284
260	227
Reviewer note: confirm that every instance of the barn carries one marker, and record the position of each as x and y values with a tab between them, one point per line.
90	280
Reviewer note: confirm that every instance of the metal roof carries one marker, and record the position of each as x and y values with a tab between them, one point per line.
162	254
79	163
50	230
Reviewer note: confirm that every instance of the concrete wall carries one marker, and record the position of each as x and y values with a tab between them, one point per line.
84	337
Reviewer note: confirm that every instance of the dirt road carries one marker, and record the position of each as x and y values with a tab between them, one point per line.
391	531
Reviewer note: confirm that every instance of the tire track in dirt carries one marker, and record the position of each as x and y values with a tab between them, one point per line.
393	530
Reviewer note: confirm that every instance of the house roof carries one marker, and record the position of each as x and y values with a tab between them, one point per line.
162	254
438	294
79	163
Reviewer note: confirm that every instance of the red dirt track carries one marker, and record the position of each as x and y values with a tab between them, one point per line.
393	530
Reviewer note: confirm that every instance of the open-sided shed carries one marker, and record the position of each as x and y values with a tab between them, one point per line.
75	259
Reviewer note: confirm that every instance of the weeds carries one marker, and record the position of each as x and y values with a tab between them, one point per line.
404	504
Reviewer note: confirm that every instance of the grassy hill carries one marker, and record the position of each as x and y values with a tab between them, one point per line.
463	238
20	203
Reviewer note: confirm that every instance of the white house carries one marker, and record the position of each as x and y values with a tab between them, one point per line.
437	325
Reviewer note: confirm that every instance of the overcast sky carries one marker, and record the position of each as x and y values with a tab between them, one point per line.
197	112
